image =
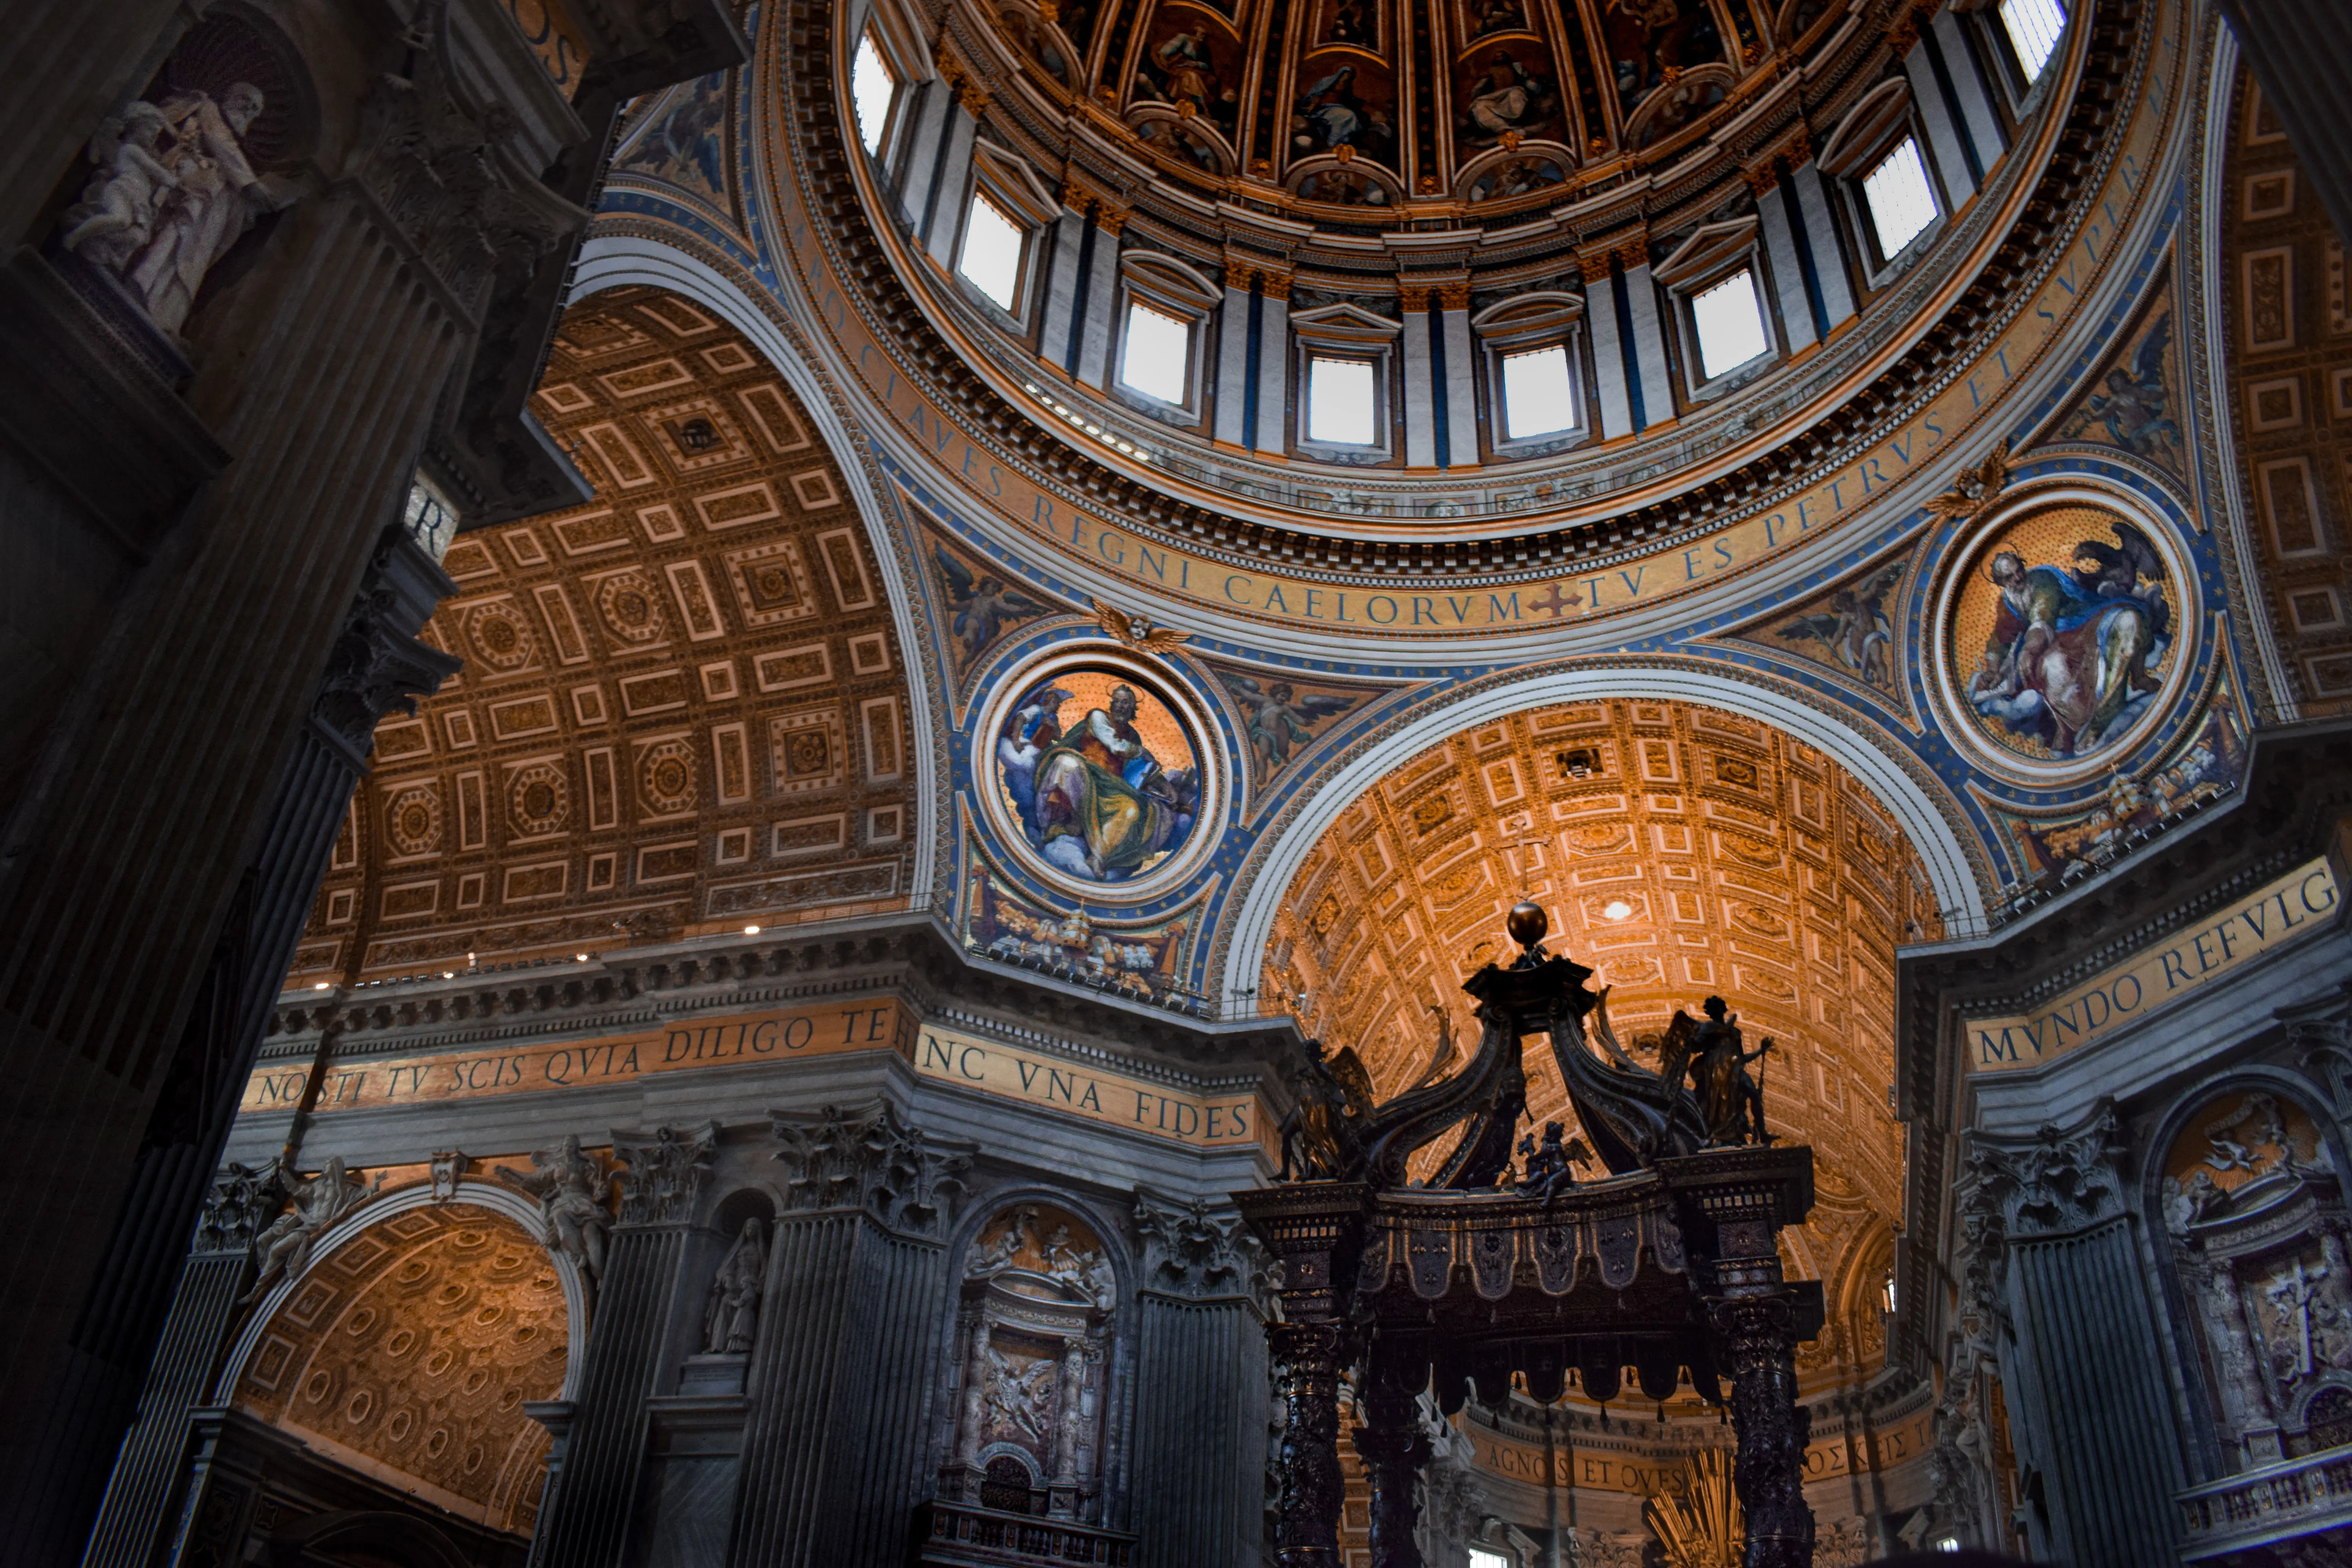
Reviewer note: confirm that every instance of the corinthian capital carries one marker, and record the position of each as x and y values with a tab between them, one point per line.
868	1158
666	1168
2057	1180
1191	1247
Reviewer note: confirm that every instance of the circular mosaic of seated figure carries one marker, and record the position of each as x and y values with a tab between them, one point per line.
408	1353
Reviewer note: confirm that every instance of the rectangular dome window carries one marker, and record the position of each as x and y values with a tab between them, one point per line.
1729	321
1156	354
992	252
871	88
2034	26
1902	203
1537	399
1339	402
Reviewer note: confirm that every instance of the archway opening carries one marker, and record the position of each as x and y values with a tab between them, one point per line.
408	1354
1681	851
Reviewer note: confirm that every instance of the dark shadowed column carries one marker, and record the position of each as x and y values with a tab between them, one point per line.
842	1377
586	1520
377	665
1195	1496
2090	1383
2298	49
1393	1448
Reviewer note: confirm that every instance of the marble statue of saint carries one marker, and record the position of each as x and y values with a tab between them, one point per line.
571	1189
177	193
733	1312
116	215
283	1250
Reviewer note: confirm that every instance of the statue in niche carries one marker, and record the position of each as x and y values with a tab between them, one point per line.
571	1188
116	215
732	1316
177	194
283	1250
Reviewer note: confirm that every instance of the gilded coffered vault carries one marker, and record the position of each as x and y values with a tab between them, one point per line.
682	706
409	1353
1684	852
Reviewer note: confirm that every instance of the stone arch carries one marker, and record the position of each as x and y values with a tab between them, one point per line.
1682	850
409	1351
1927	818
322	1541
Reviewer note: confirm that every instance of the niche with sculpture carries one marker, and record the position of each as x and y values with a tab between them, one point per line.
2254	1206
1032	1345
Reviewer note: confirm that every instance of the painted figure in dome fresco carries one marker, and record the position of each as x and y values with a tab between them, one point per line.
1094	801
1499	17
1653	41
2068	662
1507	96
1332	114
1185	73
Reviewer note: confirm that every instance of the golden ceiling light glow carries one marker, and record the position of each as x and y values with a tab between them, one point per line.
320	986
1762	871
750	931
583	957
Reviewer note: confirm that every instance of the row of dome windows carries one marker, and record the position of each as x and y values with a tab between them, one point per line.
1536	389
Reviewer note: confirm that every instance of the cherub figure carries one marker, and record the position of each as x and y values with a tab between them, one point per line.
2134	406
1279	718
1547	1168
983	604
1856	627
116	214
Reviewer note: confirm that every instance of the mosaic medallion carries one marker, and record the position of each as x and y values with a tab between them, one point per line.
1096	765
2064	631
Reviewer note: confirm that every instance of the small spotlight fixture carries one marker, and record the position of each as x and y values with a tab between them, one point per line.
583	957
320	986
750	931
448	975
1615	910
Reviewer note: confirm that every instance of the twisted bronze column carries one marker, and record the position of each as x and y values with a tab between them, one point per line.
1310	1355
1756	1338
1392	1447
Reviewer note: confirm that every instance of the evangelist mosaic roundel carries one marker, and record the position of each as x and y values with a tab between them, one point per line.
2065	629
1099	772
